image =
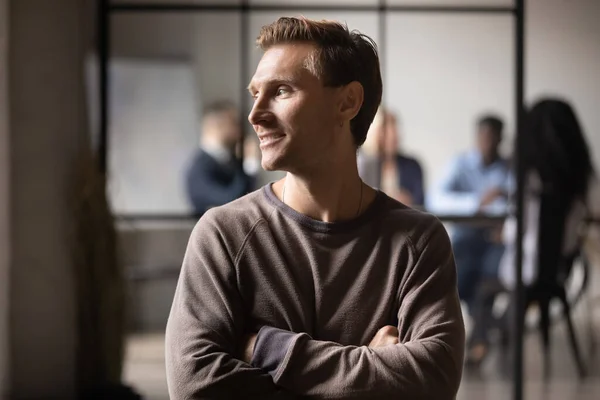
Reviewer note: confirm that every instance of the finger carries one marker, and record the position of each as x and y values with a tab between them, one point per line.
390	340
384	336
389	330
386	340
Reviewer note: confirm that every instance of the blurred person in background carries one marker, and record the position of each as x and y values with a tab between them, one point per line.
557	162
216	174
476	182
383	166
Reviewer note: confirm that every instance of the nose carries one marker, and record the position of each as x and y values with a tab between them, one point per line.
259	112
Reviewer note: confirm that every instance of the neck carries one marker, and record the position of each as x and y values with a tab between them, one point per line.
326	194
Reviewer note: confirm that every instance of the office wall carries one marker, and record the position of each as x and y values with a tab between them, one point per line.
563	58
4	202
442	70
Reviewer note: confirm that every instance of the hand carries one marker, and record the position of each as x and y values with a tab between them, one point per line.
248	347
489	196
385	336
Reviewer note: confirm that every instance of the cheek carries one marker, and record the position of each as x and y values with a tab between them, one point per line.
322	117
300	117
289	115
308	121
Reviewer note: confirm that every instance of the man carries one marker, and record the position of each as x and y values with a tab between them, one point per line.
316	285
216	175
477	182
382	166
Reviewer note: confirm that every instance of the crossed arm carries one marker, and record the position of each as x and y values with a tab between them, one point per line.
206	342
385	336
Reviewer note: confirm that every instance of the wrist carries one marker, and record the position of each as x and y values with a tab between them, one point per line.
272	345
249	345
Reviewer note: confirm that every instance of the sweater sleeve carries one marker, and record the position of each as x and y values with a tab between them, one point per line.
426	364
205	327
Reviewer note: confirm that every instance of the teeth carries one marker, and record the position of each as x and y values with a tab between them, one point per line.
267	138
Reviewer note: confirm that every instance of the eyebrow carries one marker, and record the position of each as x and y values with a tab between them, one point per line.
276	80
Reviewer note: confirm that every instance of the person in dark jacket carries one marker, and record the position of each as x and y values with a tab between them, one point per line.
216	175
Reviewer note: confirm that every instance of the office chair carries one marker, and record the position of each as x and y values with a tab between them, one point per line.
554	269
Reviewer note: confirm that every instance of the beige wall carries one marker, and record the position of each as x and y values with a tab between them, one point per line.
563	58
47	123
4	203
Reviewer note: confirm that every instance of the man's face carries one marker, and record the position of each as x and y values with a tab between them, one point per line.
487	141
226	126
294	114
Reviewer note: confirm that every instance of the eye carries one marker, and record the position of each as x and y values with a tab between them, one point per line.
282	91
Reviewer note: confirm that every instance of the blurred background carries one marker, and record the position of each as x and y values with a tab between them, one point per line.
122	121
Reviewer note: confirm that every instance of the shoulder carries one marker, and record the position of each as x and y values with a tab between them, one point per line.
463	160
420	229
470	157
426	243
201	156
405	160
232	222
201	159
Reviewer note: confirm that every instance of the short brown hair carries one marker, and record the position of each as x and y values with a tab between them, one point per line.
342	57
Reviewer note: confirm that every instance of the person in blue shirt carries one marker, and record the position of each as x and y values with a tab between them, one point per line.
216	175
476	182
383	166
561	190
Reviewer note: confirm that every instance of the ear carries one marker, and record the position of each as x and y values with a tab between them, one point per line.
351	98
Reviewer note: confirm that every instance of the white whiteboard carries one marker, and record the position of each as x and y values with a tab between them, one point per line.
153	132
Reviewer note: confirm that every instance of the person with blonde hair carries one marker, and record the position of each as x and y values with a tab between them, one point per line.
317	285
382	166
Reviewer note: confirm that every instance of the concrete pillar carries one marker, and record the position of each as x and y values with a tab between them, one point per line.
46	102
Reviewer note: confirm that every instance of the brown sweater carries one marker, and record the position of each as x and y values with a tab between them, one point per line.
317	293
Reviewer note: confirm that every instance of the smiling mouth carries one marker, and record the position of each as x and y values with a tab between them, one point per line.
269	139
